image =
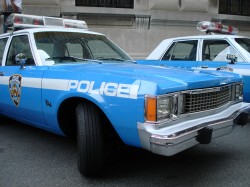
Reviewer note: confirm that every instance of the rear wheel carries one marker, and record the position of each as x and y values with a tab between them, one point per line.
89	139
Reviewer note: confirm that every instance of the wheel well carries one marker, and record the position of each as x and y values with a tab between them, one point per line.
67	119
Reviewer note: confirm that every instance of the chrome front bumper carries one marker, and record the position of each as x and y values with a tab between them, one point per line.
167	140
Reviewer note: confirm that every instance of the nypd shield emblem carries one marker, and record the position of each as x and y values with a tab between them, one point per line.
15	88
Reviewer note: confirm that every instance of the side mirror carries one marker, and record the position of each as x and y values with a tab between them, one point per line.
21	59
232	58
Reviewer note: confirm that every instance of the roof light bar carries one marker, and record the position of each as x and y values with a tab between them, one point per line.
216	27
20	21
69	23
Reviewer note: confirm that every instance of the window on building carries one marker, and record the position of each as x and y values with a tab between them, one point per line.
234	7
106	3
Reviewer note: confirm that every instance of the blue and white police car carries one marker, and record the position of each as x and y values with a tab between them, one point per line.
222	51
58	76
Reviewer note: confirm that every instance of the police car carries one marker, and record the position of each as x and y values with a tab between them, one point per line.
219	49
58	76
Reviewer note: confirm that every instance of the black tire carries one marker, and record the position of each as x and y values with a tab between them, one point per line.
89	139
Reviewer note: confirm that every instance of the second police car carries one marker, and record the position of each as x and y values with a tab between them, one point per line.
223	50
73	81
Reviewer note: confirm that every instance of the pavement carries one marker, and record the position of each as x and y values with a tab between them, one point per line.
33	157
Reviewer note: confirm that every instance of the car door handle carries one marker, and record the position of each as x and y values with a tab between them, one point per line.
1	73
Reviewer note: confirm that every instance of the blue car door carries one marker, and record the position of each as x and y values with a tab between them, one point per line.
21	86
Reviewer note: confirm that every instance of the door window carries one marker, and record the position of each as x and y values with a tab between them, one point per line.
3	42
19	44
183	50
217	50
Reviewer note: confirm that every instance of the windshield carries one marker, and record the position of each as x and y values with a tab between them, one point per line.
71	47
244	42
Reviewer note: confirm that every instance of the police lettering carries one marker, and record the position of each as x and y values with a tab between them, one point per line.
105	88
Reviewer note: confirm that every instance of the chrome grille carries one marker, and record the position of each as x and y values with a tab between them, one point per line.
206	99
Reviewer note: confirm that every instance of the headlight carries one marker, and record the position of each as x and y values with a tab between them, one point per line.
162	107
237	92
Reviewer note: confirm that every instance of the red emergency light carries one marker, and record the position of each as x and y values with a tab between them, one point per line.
216	27
21	21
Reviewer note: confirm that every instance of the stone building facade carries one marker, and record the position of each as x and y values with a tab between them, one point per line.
137	26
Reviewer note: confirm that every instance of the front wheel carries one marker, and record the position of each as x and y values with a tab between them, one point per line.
89	139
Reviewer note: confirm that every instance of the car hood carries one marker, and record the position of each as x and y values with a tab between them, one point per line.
151	79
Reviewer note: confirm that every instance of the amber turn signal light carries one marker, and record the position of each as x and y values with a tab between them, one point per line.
151	109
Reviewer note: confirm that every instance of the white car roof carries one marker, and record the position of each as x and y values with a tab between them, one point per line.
207	36
46	29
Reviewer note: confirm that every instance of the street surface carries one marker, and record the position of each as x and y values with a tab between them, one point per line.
33	157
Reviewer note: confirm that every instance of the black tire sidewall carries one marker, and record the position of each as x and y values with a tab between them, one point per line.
89	139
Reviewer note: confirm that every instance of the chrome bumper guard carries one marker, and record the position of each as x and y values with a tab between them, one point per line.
168	140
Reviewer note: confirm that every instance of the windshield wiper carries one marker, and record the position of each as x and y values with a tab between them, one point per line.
111	58
116	59
88	59
73	59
